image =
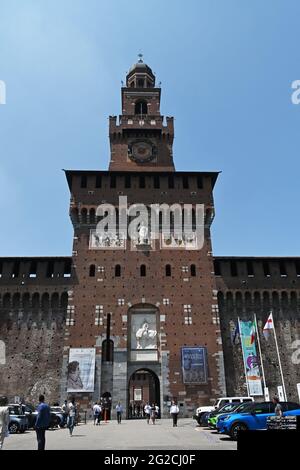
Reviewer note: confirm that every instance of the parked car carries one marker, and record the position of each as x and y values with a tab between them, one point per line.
59	414
17	420
31	413
254	417
229	408
202	412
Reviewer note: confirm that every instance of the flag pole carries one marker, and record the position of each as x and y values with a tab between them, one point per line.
260	355
279	360
241	336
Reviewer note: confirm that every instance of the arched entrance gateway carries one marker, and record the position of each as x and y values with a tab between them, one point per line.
144	366
143	388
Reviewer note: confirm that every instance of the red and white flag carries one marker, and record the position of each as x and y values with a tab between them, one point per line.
268	326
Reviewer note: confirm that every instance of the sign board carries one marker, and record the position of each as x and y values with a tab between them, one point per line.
194	365
137	395
280	393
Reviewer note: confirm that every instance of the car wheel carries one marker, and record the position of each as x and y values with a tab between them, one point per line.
203	419
13	428
235	428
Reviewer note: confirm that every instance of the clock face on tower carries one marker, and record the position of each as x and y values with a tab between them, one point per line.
141	151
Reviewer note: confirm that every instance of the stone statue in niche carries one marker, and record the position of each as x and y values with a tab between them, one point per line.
143	234
145	338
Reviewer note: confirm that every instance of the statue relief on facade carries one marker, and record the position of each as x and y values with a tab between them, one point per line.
145	338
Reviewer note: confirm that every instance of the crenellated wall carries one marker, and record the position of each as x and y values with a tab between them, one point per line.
33	309
248	286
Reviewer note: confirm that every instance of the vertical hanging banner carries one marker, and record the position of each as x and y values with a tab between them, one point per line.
253	376
194	365
81	370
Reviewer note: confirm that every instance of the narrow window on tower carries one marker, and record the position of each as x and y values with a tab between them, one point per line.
185	182
16	269
127	181
233	269
141	107
143	270
92	270
193	270
113	181
140	83
67	268
297	263
156	182
250	271
142	182
217	267
83	183
199	182
171	182
50	269
282	269
168	270
266	269
117	270
98	181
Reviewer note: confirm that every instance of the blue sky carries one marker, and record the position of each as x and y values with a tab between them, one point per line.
226	69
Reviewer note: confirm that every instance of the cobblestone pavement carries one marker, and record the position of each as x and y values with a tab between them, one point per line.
131	434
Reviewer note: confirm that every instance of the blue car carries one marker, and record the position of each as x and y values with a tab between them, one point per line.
253	417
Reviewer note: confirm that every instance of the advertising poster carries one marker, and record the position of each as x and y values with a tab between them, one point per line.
81	370
251	364
194	365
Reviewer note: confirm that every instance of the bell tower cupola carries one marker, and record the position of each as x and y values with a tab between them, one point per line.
141	139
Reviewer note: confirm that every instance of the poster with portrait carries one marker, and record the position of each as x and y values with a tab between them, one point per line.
143	331
194	365
81	370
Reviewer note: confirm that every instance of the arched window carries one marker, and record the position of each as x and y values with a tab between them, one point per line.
143	270
117	270
168	270
92	270
141	107
193	270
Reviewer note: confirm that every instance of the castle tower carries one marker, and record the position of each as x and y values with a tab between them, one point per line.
146	307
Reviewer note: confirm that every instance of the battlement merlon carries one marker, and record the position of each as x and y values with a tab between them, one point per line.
118	124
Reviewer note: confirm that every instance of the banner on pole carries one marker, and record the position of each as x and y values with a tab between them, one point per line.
251	364
280	393
267	394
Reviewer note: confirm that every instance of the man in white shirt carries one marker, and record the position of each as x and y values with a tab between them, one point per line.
174	410
147	410
97	413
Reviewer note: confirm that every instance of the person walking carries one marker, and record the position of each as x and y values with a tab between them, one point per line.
153	413
71	415
96	413
147	410
42	422
119	410
65	413
278	407
174	410
4	420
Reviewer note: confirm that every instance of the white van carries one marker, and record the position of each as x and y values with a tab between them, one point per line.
204	410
